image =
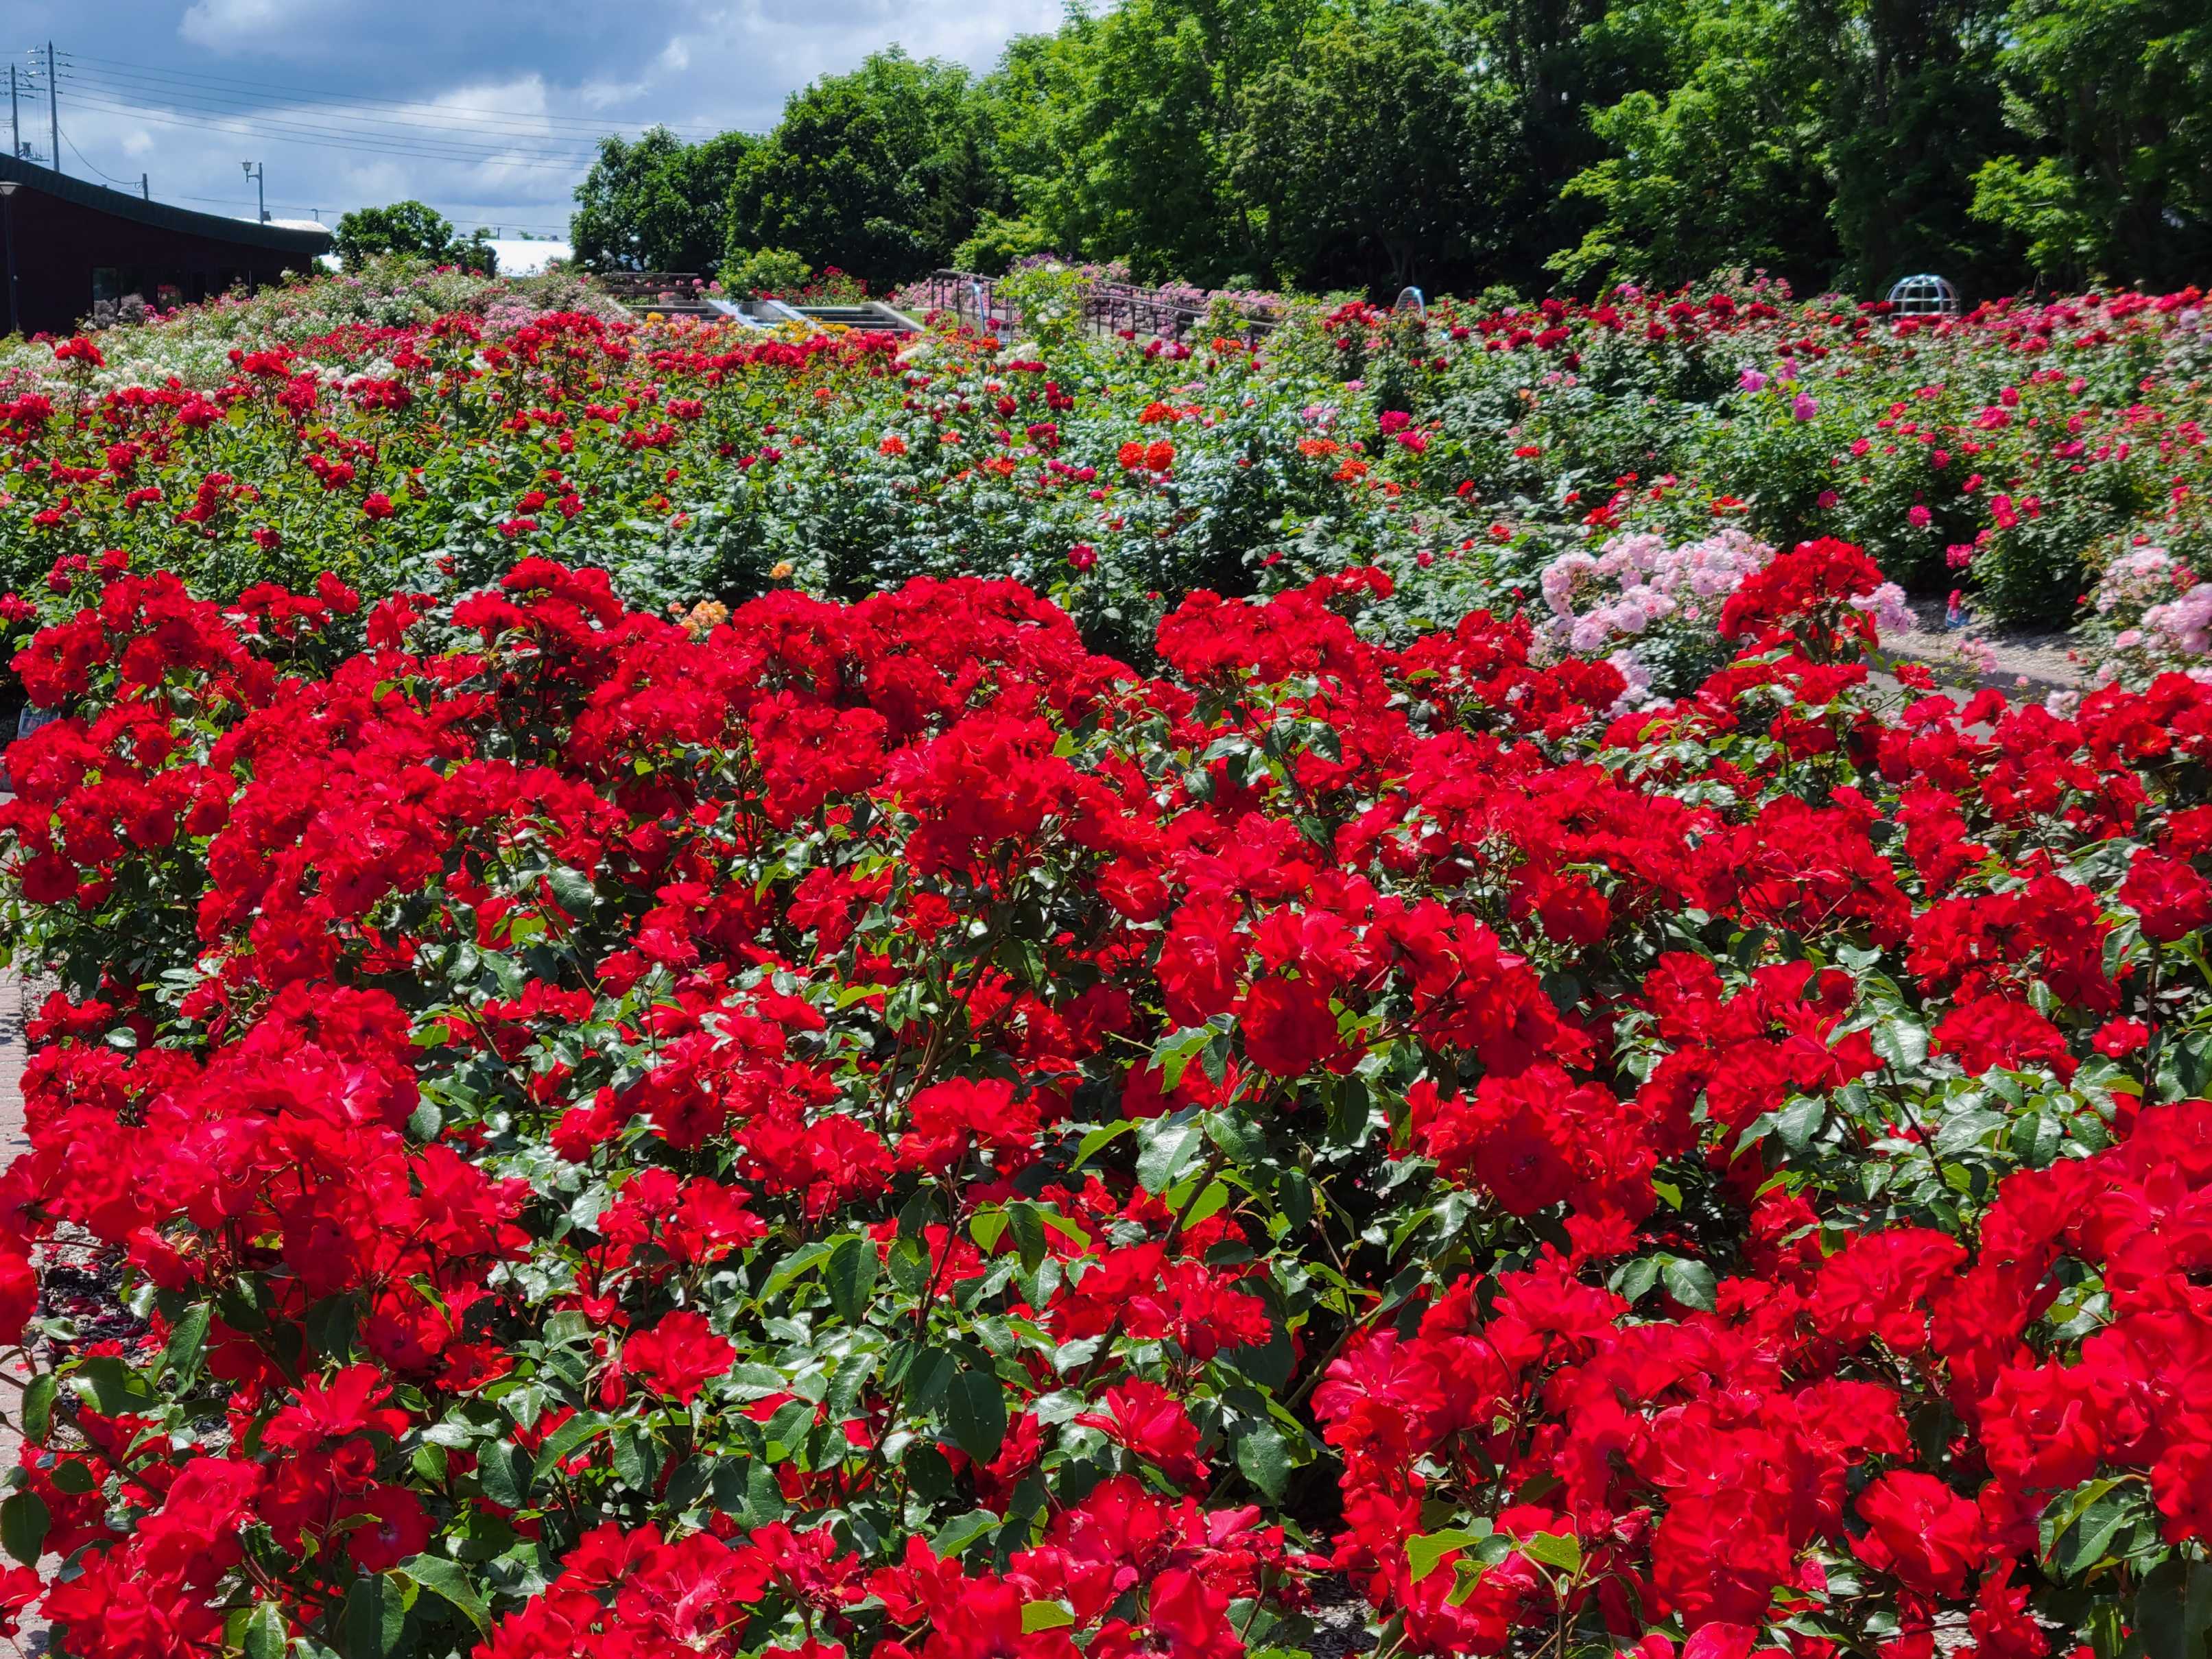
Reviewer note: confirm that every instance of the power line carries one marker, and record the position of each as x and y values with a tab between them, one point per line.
536	230
475	157
308	122
326	119
593	122
89	162
552	232
69	139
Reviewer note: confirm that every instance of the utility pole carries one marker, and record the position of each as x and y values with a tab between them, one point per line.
53	106
145	189
259	172
15	119
7	230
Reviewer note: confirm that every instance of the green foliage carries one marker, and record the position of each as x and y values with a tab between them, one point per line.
1910	107
655	203
1049	297
880	173
1720	167
769	270
998	242
2110	97
1320	144
410	228
1365	157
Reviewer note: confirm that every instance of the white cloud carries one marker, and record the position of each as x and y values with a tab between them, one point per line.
511	96
241	25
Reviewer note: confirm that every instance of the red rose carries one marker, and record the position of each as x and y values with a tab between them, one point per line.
677	1356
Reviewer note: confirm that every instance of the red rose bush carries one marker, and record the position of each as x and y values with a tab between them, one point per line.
872	1129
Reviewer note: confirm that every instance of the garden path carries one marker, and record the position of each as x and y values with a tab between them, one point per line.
14	997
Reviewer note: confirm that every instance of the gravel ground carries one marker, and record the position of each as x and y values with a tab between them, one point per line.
2025	663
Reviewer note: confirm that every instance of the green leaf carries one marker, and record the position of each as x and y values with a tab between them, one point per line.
449	1581
373	1619
265	1637
1350	1112
852	1277
1294	1193
987	1227
1634	1281
23	1524
187	1344
961	1530
1099	1137
1045	1615
2078	1530
756	1380
1265	1460
1172	1054
2174	1609
909	1266
564	1442
1425	1552
1554	1549
1166	1150
975	1415
505	1471
1029	1233
74	1478
1689	1283
1901	1043
39	1407
764	1504
637	1458
1800	1120
788	1270
1239	1141
1211	1202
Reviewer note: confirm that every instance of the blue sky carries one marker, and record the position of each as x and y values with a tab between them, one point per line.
486	109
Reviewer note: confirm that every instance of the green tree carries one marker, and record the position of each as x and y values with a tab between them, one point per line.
2110	105
1722	166
881	172
412	229
1116	136
1362	160
656	202
1909	106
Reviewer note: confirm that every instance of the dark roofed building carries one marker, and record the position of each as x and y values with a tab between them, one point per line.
75	246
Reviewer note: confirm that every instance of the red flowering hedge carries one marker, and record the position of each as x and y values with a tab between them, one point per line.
872	1128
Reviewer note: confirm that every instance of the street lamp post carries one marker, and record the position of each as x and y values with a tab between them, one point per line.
8	229
259	172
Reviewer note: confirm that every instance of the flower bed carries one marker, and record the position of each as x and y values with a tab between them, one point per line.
690	461
2012	452
872	1128
418	435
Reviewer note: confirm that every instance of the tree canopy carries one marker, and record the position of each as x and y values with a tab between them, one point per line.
879	173
1458	144
656	202
408	227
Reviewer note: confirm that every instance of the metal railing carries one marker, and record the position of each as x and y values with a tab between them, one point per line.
1108	307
